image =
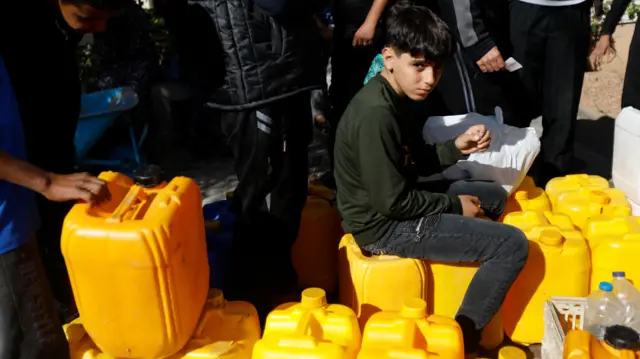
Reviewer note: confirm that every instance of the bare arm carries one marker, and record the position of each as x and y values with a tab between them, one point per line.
23	174
377	8
366	32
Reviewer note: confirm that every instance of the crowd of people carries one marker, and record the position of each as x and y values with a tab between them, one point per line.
260	65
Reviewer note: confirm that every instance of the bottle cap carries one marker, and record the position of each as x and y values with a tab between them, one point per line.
605	286
148	176
599	197
619	274
511	353
414	308
521	195
551	238
313	298
621	338
216	298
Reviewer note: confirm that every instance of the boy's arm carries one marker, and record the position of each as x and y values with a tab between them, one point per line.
365	34
379	155
59	188
614	15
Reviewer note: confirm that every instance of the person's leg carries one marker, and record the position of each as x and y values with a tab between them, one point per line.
564	68
29	325
631	88
501	249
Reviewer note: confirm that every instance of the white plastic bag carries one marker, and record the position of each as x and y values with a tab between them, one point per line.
508	159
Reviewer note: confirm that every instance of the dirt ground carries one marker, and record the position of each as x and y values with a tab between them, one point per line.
602	90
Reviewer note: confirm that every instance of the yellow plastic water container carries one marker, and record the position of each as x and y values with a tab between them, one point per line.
529	219
310	329
448	284
226	330
411	333
138	265
510	352
315	254
528	197
573	183
615	247
585	203
579	344
551	251
371	283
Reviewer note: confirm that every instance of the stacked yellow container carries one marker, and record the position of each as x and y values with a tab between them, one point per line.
369	284
310	329
411	334
558	265
528	197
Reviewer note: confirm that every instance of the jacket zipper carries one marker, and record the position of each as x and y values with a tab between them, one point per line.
418	229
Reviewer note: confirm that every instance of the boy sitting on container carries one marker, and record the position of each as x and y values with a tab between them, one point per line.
380	154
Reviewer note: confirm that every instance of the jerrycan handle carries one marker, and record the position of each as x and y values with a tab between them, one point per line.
135	195
298	339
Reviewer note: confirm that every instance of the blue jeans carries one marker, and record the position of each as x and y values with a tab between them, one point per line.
501	249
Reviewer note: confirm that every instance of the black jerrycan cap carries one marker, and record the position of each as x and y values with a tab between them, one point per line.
622	338
148	176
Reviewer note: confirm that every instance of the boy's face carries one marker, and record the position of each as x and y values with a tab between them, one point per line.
84	18
414	76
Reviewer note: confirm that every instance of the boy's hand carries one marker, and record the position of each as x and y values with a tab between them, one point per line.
471	206
492	61
364	35
77	186
476	139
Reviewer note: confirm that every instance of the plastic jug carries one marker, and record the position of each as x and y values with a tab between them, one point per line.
530	219
620	342
603	310
625	170
586	203
362	277
315	254
310	329
411	334
226	330
573	183
615	246
219	225
528	197
551	251
138	265
448	284
629	296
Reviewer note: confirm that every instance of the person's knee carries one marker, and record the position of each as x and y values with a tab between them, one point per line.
515	247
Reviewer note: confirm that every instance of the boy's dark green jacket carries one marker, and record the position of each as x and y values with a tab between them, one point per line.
379	155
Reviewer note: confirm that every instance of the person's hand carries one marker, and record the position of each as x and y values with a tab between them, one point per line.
77	186
471	206
364	35
476	139
491	61
327	33
602	48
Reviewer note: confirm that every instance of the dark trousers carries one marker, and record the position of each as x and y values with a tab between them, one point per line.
29	324
269	145
464	88
52	216
552	45
449	238
631	89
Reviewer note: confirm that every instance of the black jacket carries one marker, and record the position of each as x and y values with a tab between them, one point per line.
271	50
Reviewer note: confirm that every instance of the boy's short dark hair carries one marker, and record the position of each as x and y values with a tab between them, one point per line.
105	5
418	31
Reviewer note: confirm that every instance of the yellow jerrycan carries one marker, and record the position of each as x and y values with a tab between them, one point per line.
619	343
226	330
448	284
529	219
371	283
615	247
315	253
551	251
527	197
586	203
411	334
138	264
311	329
573	183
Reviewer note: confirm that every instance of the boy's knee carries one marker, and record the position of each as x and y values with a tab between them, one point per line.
516	246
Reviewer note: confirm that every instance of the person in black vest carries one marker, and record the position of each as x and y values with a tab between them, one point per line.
272	60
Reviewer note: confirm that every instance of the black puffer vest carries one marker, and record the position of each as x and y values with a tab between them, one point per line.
266	59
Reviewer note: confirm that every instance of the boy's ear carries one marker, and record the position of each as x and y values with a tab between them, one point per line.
389	56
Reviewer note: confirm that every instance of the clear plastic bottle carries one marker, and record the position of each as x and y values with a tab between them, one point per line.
630	299
603	310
